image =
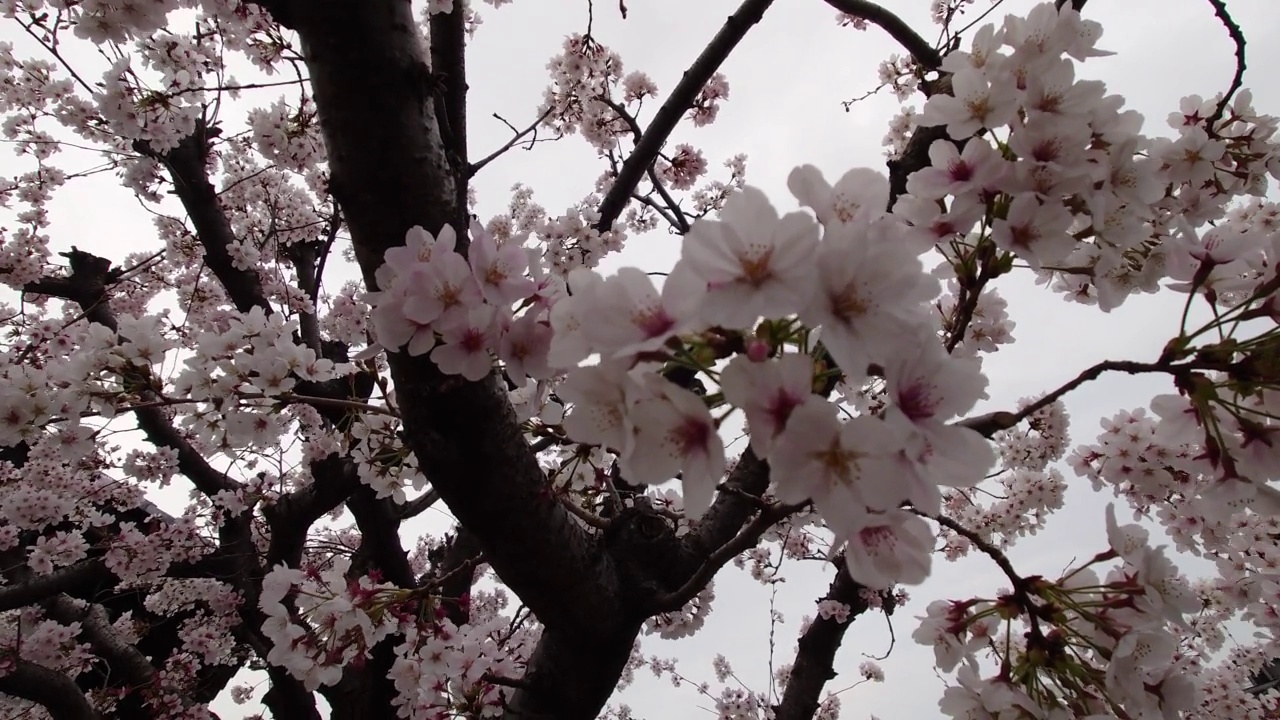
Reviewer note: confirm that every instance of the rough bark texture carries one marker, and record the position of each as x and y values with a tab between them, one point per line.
816	651
50	688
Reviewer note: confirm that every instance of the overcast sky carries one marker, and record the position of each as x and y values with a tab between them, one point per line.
787	80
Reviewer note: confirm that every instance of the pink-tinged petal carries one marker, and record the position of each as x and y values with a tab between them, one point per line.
767	392
599	398
890	548
682	292
749	208
422	342
707	248
813	191
795	242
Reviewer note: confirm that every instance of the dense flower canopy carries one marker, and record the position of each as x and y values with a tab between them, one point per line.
493	367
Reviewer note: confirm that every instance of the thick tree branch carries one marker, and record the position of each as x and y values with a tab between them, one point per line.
679	101
291	516
816	653
920	49
672	213
303	256
73	580
188	169
419	505
56	692
732	508
391	171
287	697
746	539
96	627
453	573
449	68
380	543
564	683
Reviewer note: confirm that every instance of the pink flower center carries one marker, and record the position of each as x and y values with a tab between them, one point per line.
653	322
918	401
960	171
693	435
877	538
473	341
780	407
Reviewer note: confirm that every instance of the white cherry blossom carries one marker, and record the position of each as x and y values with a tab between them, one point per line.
767	392
888	548
835	464
860	194
675	433
753	262
870	294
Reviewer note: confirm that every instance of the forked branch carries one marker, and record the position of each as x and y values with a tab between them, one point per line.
680	100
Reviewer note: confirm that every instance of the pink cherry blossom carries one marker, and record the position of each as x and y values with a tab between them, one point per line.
753	262
419	247
885	549
466	345
628	316
448	291
1036	232
860	194
525	343
570	344
767	392
833	463
498	268
675	433
870	295
976	104
976	169
601	396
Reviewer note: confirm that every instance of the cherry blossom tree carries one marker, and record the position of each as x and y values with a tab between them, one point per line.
580	426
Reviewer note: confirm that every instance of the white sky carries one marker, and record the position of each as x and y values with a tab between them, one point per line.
787	80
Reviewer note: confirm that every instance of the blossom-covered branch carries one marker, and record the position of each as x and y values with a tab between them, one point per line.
674	107
187	168
816	649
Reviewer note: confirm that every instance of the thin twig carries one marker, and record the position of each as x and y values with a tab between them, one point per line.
1237	36
589	518
743	541
519	135
992	423
990	550
674	216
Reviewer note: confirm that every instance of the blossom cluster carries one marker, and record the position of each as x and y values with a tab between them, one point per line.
322	620
1094	647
